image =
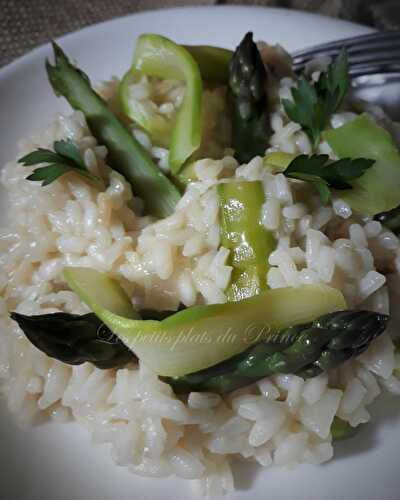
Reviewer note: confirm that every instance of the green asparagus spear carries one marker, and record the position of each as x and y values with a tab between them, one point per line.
126	155
250	244
305	350
390	219
75	339
248	94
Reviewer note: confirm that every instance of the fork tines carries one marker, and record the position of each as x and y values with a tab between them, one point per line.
376	52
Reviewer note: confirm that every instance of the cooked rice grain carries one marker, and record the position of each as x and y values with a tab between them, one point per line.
282	420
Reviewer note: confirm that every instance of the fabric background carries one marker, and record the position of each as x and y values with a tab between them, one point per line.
24	24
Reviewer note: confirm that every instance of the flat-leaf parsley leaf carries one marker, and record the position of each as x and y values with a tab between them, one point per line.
314	103
65	158
325	175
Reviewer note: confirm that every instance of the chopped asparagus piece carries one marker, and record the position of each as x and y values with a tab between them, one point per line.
158	56
213	62
378	189
157	125
250	244
278	160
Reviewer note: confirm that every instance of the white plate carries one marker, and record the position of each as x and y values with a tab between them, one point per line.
58	461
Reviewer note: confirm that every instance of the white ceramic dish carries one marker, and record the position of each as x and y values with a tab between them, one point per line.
58	461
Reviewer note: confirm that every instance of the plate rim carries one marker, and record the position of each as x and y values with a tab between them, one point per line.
11	69
14	65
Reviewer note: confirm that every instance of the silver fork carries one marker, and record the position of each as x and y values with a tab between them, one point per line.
367	53
374	64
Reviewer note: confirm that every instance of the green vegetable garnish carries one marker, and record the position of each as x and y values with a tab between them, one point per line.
126	155
340	429
75	339
305	350
65	158
158	56
314	103
158	126
213	62
325	175
248	92
250	244
378	190
200	336
278	160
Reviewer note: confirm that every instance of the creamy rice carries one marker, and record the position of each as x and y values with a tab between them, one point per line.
281	420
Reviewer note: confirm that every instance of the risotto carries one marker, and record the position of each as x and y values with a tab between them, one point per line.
165	422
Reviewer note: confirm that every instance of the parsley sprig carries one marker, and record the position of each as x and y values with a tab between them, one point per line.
65	158
326	175
314	103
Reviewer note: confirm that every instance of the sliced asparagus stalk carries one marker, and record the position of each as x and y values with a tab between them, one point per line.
158	56
213	62
201	336
378	189
158	126
250	244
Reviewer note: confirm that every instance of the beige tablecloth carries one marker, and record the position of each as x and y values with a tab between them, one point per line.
25	24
